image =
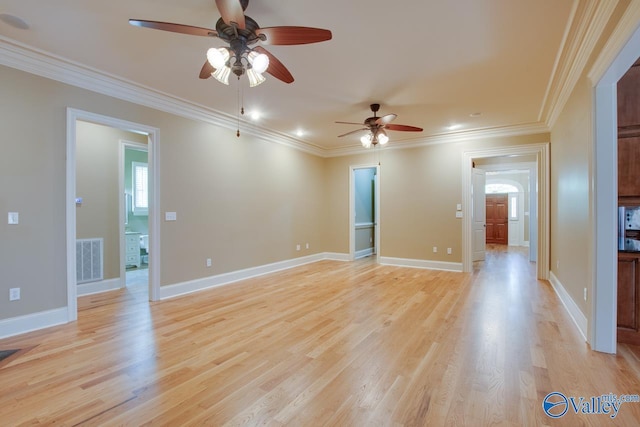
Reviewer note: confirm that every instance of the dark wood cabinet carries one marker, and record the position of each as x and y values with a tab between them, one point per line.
629	167
628	98
629	195
629	298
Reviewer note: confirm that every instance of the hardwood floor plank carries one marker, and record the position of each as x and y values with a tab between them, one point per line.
325	344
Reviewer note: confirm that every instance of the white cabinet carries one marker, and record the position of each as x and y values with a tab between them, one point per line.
132	249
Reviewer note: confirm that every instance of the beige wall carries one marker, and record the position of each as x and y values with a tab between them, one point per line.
242	202
419	190
571	179
97	155
570	195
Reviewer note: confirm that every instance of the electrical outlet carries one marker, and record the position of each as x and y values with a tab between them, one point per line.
435	249
307	246
13	218
14	294
585	294
297	247
449	251
208	262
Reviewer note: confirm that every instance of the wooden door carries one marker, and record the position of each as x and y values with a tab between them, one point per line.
497	218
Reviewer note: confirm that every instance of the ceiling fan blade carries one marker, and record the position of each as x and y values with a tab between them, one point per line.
174	28
386	119
350	123
293	35
231	11
403	128
352	132
276	68
206	70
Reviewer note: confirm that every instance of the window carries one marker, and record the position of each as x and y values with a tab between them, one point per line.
513	209
140	174
500	188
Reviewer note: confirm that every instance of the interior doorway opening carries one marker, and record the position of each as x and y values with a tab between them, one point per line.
540	176
134	204
364	212
152	134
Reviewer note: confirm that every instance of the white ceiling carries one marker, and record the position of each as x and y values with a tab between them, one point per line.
431	62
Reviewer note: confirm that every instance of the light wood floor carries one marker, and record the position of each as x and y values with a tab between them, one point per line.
330	343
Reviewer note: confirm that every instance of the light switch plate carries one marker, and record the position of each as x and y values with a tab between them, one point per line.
13	218
170	216
458	207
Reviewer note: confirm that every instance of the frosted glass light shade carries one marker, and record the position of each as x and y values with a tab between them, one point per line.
218	57
366	140
382	138
255	78
259	61
222	74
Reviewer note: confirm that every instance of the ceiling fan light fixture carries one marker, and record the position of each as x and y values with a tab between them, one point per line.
382	137
366	140
259	61
222	74
255	78
218	57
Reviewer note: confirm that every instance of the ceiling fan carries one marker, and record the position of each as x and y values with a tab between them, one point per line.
377	127
241	32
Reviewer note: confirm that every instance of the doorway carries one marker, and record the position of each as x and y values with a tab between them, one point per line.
539	239
134	203
73	117
603	331
364	211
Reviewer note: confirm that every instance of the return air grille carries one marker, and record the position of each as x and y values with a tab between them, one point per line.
88	260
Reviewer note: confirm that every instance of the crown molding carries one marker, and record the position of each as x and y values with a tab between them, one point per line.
448	138
620	36
588	20
34	61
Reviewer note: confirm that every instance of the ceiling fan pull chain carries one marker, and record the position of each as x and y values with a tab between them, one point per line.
240	108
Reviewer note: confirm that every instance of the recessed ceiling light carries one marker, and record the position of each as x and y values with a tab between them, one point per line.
14	21
478	114
454	127
300	132
256	115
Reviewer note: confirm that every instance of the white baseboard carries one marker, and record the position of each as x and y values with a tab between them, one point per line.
183	288
99	287
569	304
364	253
421	263
335	256
32	322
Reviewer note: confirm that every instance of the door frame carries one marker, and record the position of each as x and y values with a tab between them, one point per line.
124	145
153	135
541	151
352	210
602	329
